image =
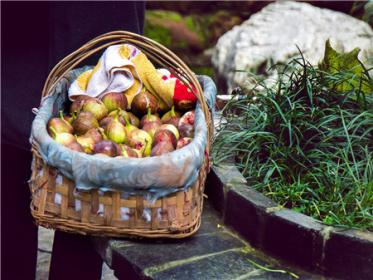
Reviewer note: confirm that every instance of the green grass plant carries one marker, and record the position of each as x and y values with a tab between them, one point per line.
305	144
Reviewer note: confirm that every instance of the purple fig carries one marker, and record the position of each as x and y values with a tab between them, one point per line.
187	118
95	134
151	128
171	128
149	118
77	105
105	121
165	135
75	146
114	101
106	147
183	142
162	148
133	119
84	122
186	130
142	101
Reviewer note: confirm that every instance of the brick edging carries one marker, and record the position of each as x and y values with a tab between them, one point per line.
286	234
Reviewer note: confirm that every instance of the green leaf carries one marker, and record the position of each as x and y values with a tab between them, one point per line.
335	62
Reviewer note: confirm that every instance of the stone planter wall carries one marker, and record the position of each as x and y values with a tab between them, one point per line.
286	234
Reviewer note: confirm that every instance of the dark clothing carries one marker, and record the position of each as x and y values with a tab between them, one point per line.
35	36
18	231
68	261
38	35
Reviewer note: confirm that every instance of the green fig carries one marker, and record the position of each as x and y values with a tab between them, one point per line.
96	107
171	117
59	125
87	143
140	140
127	152
114	101
116	131
63	138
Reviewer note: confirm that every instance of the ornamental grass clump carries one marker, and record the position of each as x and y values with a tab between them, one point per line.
307	142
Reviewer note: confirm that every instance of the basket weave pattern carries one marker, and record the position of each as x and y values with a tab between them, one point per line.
56	203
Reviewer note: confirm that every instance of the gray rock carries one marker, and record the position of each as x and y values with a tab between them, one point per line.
273	34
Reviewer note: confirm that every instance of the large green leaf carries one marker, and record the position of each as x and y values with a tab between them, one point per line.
348	63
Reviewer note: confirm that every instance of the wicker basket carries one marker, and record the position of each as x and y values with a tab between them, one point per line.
56	203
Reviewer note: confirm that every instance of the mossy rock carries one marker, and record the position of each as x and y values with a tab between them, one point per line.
174	30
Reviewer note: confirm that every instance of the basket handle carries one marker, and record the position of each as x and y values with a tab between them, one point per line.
151	48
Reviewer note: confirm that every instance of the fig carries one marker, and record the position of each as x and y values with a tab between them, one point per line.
77	105
186	130
128	127
140	140
142	101
114	101
75	146
123	114
185	105
96	107
70	118
115	131
162	148
183	142
129	152
165	135
133	119
171	117
95	134
106	147
149	118
151	128
84	122
171	128
59	125
87	143
64	138
105	121
187	118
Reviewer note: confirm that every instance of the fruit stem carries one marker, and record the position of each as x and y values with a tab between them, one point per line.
149	113
173	111
125	117
53	131
74	116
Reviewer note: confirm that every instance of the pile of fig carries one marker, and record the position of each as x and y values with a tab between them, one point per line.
104	126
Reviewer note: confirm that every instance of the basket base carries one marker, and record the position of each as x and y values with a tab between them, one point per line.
56	204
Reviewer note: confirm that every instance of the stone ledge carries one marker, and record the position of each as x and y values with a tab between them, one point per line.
214	252
286	234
